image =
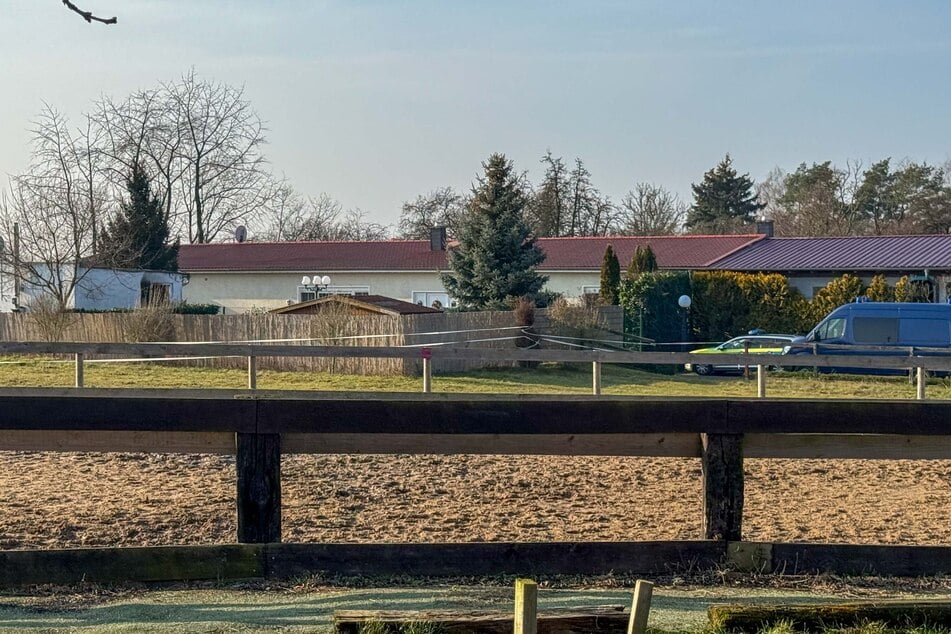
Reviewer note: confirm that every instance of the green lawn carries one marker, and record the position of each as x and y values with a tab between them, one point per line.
545	379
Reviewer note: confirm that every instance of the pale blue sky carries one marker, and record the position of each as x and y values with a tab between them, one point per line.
376	102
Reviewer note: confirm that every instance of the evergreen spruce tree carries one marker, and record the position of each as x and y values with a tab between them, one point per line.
723	202
610	277
138	237
496	257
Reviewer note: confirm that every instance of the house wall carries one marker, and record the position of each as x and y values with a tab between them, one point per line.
807	284
241	292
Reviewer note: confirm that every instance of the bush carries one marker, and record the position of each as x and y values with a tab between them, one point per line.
50	317
153	322
650	305
579	321
185	308
841	290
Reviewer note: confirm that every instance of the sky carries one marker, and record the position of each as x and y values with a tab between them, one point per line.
375	102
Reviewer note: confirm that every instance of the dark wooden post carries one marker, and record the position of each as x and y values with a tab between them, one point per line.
259	488
722	462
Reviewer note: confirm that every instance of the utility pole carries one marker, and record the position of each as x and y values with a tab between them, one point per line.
16	266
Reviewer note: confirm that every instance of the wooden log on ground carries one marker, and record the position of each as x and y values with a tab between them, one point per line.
818	617
551	621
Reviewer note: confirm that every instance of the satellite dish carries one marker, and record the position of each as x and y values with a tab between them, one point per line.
241	233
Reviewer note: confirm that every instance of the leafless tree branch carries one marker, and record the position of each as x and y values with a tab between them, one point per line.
87	15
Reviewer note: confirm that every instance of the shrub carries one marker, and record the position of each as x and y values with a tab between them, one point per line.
841	290
153	322
49	317
185	308
879	291
580	321
524	311
650	305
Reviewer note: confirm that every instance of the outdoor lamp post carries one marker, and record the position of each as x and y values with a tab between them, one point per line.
684	302
316	283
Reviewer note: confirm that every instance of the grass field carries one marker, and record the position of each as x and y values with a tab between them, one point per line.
545	379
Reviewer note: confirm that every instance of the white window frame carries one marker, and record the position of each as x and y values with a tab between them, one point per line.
303	291
426	300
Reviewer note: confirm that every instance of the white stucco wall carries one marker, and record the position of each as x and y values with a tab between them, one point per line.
105	289
241	292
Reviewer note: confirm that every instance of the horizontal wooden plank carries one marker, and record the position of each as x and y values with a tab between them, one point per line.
113	565
505	414
118	441
485	559
860	559
658	445
37	411
930	360
808	416
902	614
579	620
847	446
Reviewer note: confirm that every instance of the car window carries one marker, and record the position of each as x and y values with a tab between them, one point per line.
875	330
830	329
733	345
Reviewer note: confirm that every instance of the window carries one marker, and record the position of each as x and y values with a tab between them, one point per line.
875	330
430	298
151	293
590	290
829	329
925	332
305	295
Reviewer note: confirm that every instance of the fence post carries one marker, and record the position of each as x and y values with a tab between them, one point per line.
427	355
79	369
746	366
722	464
259	488
922	382
596	377
252	373
526	607
761	381
641	607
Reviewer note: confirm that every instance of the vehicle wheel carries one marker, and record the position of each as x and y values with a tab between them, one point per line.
703	370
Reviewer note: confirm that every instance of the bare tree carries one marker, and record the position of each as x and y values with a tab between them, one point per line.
225	182
651	210
291	217
440	207
55	203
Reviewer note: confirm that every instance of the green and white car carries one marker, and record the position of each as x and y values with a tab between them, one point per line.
758	344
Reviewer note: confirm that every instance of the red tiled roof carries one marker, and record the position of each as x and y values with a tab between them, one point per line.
853	253
673	252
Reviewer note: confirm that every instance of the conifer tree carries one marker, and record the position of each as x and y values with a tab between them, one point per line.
496	257
610	277
723	202
643	261
138	237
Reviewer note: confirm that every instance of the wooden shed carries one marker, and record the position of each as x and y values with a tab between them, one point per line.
357	305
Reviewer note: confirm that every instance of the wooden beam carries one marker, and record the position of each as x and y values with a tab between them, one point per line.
722	464
640	607
114	565
903	614
489	559
655	445
118	441
847	446
526	607
575	620
259	488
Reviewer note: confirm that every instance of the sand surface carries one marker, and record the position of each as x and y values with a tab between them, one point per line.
54	500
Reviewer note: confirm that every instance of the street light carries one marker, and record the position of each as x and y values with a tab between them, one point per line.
684	302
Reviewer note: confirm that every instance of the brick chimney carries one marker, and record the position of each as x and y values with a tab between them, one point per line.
765	227
437	239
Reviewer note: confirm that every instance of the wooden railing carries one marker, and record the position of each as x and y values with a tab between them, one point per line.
918	362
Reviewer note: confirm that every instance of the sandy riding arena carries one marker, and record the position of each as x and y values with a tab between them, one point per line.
55	500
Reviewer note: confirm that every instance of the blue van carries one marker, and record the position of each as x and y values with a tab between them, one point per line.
864	325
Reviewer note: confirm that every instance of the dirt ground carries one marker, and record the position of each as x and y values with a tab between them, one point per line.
53	500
